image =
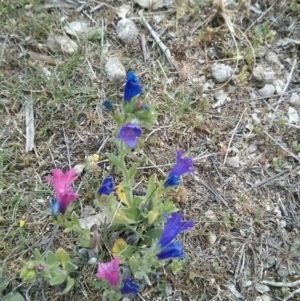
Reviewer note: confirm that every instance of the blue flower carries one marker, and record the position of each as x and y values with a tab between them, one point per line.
55	205
173	227
107	186
183	165
133	86
172	250
129	133
108	105
130	287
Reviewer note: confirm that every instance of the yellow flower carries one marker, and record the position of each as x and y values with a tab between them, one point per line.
22	223
95	157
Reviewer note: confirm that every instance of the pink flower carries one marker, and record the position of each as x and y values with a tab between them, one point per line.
62	186
109	271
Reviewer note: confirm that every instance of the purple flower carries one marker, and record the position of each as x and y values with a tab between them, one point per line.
107	186
130	287
173	227
63	190
133	86
172	250
109	271
183	165
130	133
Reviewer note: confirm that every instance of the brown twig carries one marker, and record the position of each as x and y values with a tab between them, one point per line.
145	48
281	146
161	45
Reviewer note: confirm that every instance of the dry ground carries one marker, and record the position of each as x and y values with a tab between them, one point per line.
244	196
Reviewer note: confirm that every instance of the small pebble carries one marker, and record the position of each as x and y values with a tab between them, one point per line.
261	288
252	148
127	31
295	99
267	91
221	72
263	74
115	71
263	298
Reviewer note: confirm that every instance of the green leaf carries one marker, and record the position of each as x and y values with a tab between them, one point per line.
151	187
84	238
114	160
137	201
151	235
62	256
38	256
14	297
132	215
3	283
169	207
134	265
132	170
70	267
61	278
152	216
51	258
69	286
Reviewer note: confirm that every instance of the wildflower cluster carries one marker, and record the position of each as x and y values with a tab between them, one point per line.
146	226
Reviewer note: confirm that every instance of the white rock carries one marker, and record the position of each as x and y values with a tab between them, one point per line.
209	214
263	298
92	261
115	71
252	148
267	91
233	161
261	288
279	85
295	99
273	58
221	72
63	43
127	31
212	237
293	115
246	283
263	74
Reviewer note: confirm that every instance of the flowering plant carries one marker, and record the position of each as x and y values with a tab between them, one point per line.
145	226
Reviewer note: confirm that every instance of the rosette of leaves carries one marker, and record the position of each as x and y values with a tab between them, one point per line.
287	259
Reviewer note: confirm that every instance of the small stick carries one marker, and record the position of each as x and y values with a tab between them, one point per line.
162	46
67	146
145	48
231	138
280	284
274	177
284	90
281	146
30	131
297	291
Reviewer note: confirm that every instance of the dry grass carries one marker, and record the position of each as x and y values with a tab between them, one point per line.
237	209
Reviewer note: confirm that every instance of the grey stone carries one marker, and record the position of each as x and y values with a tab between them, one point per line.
115	71
267	91
127	31
221	72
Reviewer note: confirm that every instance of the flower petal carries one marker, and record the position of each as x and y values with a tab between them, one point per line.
183	165
133	86
173	227
129	133
107	186
130	287
109	271
172	250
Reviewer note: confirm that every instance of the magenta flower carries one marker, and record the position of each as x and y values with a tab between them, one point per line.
62	186
183	165
129	133
109	271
